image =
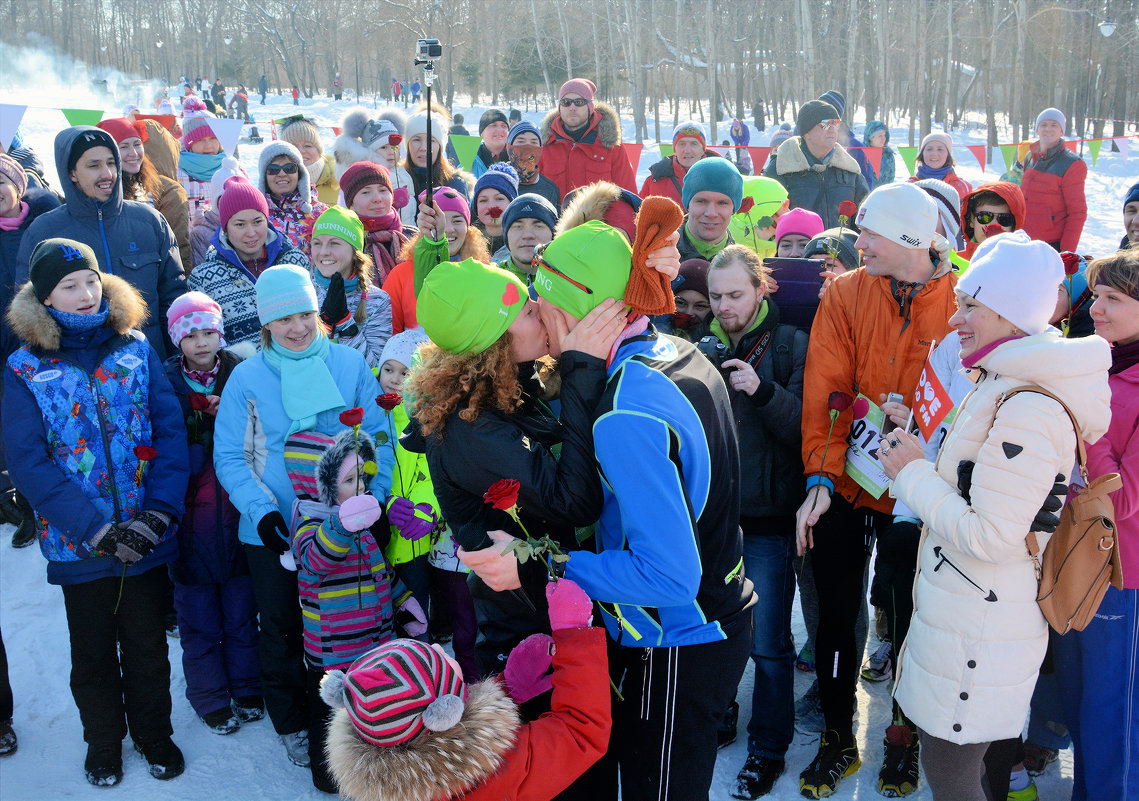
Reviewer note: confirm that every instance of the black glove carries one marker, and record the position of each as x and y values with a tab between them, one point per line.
1046	520
274	533
965	478
133	540
334	310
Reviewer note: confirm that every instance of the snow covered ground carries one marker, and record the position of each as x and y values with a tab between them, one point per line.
251	764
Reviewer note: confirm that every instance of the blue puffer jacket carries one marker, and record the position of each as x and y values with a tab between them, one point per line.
131	240
251	427
39	201
76	405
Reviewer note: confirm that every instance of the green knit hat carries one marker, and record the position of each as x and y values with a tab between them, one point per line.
584	266
341	223
465	306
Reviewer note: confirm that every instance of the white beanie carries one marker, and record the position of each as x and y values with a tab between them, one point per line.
936	136
1016	277
417	124
902	213
948	203
230	168
401	347
1053	114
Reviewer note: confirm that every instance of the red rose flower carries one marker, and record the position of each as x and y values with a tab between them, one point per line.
389	400
848	208
352	417
199	402
1071	262
747	205
503	494
992	229
839	401
494	212
145	453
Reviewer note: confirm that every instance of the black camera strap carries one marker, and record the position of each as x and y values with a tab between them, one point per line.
761	347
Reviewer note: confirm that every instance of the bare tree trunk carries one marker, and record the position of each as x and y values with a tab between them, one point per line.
676	67
713	83
656	68
596	43
538	42
565	36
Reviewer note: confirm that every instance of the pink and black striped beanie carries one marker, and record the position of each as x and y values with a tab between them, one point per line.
395	691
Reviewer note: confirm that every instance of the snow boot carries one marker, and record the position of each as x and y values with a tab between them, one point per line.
25	533
104	764
163	758
221	721
249	708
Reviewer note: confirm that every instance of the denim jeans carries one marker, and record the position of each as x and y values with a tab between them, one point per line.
768	562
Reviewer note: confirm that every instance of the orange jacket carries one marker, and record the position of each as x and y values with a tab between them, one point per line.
400	287
858	345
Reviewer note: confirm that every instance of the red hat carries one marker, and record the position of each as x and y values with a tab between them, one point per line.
121	129
361	174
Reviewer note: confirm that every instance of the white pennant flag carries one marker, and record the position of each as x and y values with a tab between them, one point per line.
227	131
1123	143
10	117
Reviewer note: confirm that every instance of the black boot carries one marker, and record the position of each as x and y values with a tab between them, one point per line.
26	530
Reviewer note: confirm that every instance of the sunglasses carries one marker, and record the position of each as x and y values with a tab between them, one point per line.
540	261
829	125
1005	218
287	169
574	101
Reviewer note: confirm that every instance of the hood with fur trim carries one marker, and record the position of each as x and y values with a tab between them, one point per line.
791	159
608	125
434	765
304	183
591	202
330	462
33	324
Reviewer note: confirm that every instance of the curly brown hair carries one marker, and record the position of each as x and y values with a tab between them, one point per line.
443	382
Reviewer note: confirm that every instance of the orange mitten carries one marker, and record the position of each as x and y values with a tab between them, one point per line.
650	292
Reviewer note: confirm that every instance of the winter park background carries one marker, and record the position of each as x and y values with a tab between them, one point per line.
251	764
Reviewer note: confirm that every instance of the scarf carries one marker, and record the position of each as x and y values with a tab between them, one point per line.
319	279
307	387
633	329
12	223
76	323
201	380
315	170
385	237
1124	357
974	358
930	172
707	250
199	166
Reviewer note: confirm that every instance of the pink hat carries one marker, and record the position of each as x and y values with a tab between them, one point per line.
194	311
238	195
195	129
581	86
448	199
799	221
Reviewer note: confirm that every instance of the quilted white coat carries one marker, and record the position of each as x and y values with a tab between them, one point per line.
970	662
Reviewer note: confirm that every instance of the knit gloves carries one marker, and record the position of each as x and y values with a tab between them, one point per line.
414	521
134	539
650	291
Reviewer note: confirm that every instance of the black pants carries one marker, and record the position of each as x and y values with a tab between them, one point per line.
120	674
281	644
319	719
664	731
843	539
6	703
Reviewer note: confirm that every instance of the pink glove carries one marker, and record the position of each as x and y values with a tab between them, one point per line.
409	617
400	197
570	607
529	668
359	512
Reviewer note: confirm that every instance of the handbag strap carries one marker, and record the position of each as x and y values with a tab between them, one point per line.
1081	451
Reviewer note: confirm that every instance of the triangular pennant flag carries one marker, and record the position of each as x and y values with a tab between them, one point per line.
759	156
666	150
633	153
336	130
874	156
1094	145
82	116
465	148
1071	144
979	152
1008	153
165	120
10	117
1123	145
909	156
227	131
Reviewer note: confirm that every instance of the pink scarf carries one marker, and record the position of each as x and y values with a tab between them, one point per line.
12	223
385	238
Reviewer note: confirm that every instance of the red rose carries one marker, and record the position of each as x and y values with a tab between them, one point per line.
145	453
352	417
839	401
494	212
992	229
1071	262
747	205
199	402
848	208
389	400
503	494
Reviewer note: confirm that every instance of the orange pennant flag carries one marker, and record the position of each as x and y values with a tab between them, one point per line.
931	401
979	152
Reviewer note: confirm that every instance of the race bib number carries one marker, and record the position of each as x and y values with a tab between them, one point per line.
862	462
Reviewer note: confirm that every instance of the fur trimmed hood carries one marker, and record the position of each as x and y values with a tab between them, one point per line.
608	125
789	158
434	765
328	467
591	203
33	324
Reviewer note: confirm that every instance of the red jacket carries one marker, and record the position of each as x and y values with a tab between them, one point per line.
596	156
1053	187
666	178
1007	191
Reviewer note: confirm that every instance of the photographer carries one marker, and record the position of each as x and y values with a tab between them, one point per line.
762	362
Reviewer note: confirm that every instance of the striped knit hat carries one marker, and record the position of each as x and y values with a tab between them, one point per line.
395	691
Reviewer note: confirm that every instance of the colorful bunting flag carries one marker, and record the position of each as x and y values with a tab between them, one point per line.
1094	145
910	156
979	152
465	148
874	156
1008	153
633	153
666	150
227	132
10	116
759	156
82	116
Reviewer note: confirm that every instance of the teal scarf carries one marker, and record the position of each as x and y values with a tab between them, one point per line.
199	166
319	279
307	388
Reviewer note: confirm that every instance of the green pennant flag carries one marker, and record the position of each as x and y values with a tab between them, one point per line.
82	116
910	156
1094	145
1008	152
665	150
465	148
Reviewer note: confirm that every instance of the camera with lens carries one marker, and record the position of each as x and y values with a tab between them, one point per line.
427	50
716	351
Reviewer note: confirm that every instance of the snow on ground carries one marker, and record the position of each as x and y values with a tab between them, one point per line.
251	764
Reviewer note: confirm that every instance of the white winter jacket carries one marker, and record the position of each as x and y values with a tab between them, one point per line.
969	665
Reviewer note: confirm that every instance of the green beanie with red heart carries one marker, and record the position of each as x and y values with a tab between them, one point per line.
583	266
465	306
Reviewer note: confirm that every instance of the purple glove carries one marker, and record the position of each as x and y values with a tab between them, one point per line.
409	617
529	668
400	197
570	607
413	522
359	512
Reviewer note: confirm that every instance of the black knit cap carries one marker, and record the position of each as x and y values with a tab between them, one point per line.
812	113
53	259
90	138
491	115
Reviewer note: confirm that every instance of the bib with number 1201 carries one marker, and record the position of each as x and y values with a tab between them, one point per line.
862	462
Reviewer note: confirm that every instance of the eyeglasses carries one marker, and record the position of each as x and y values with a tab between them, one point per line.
287	169
574	101
539	261
829	125
1005	218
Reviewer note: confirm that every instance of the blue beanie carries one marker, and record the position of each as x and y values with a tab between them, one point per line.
835	98
500	176
1132	194
521	127
283	290
714	175
530	205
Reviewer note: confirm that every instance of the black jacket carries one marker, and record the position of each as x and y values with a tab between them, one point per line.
687	249
560	491
815	187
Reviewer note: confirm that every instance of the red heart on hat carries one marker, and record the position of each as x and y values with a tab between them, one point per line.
510	295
